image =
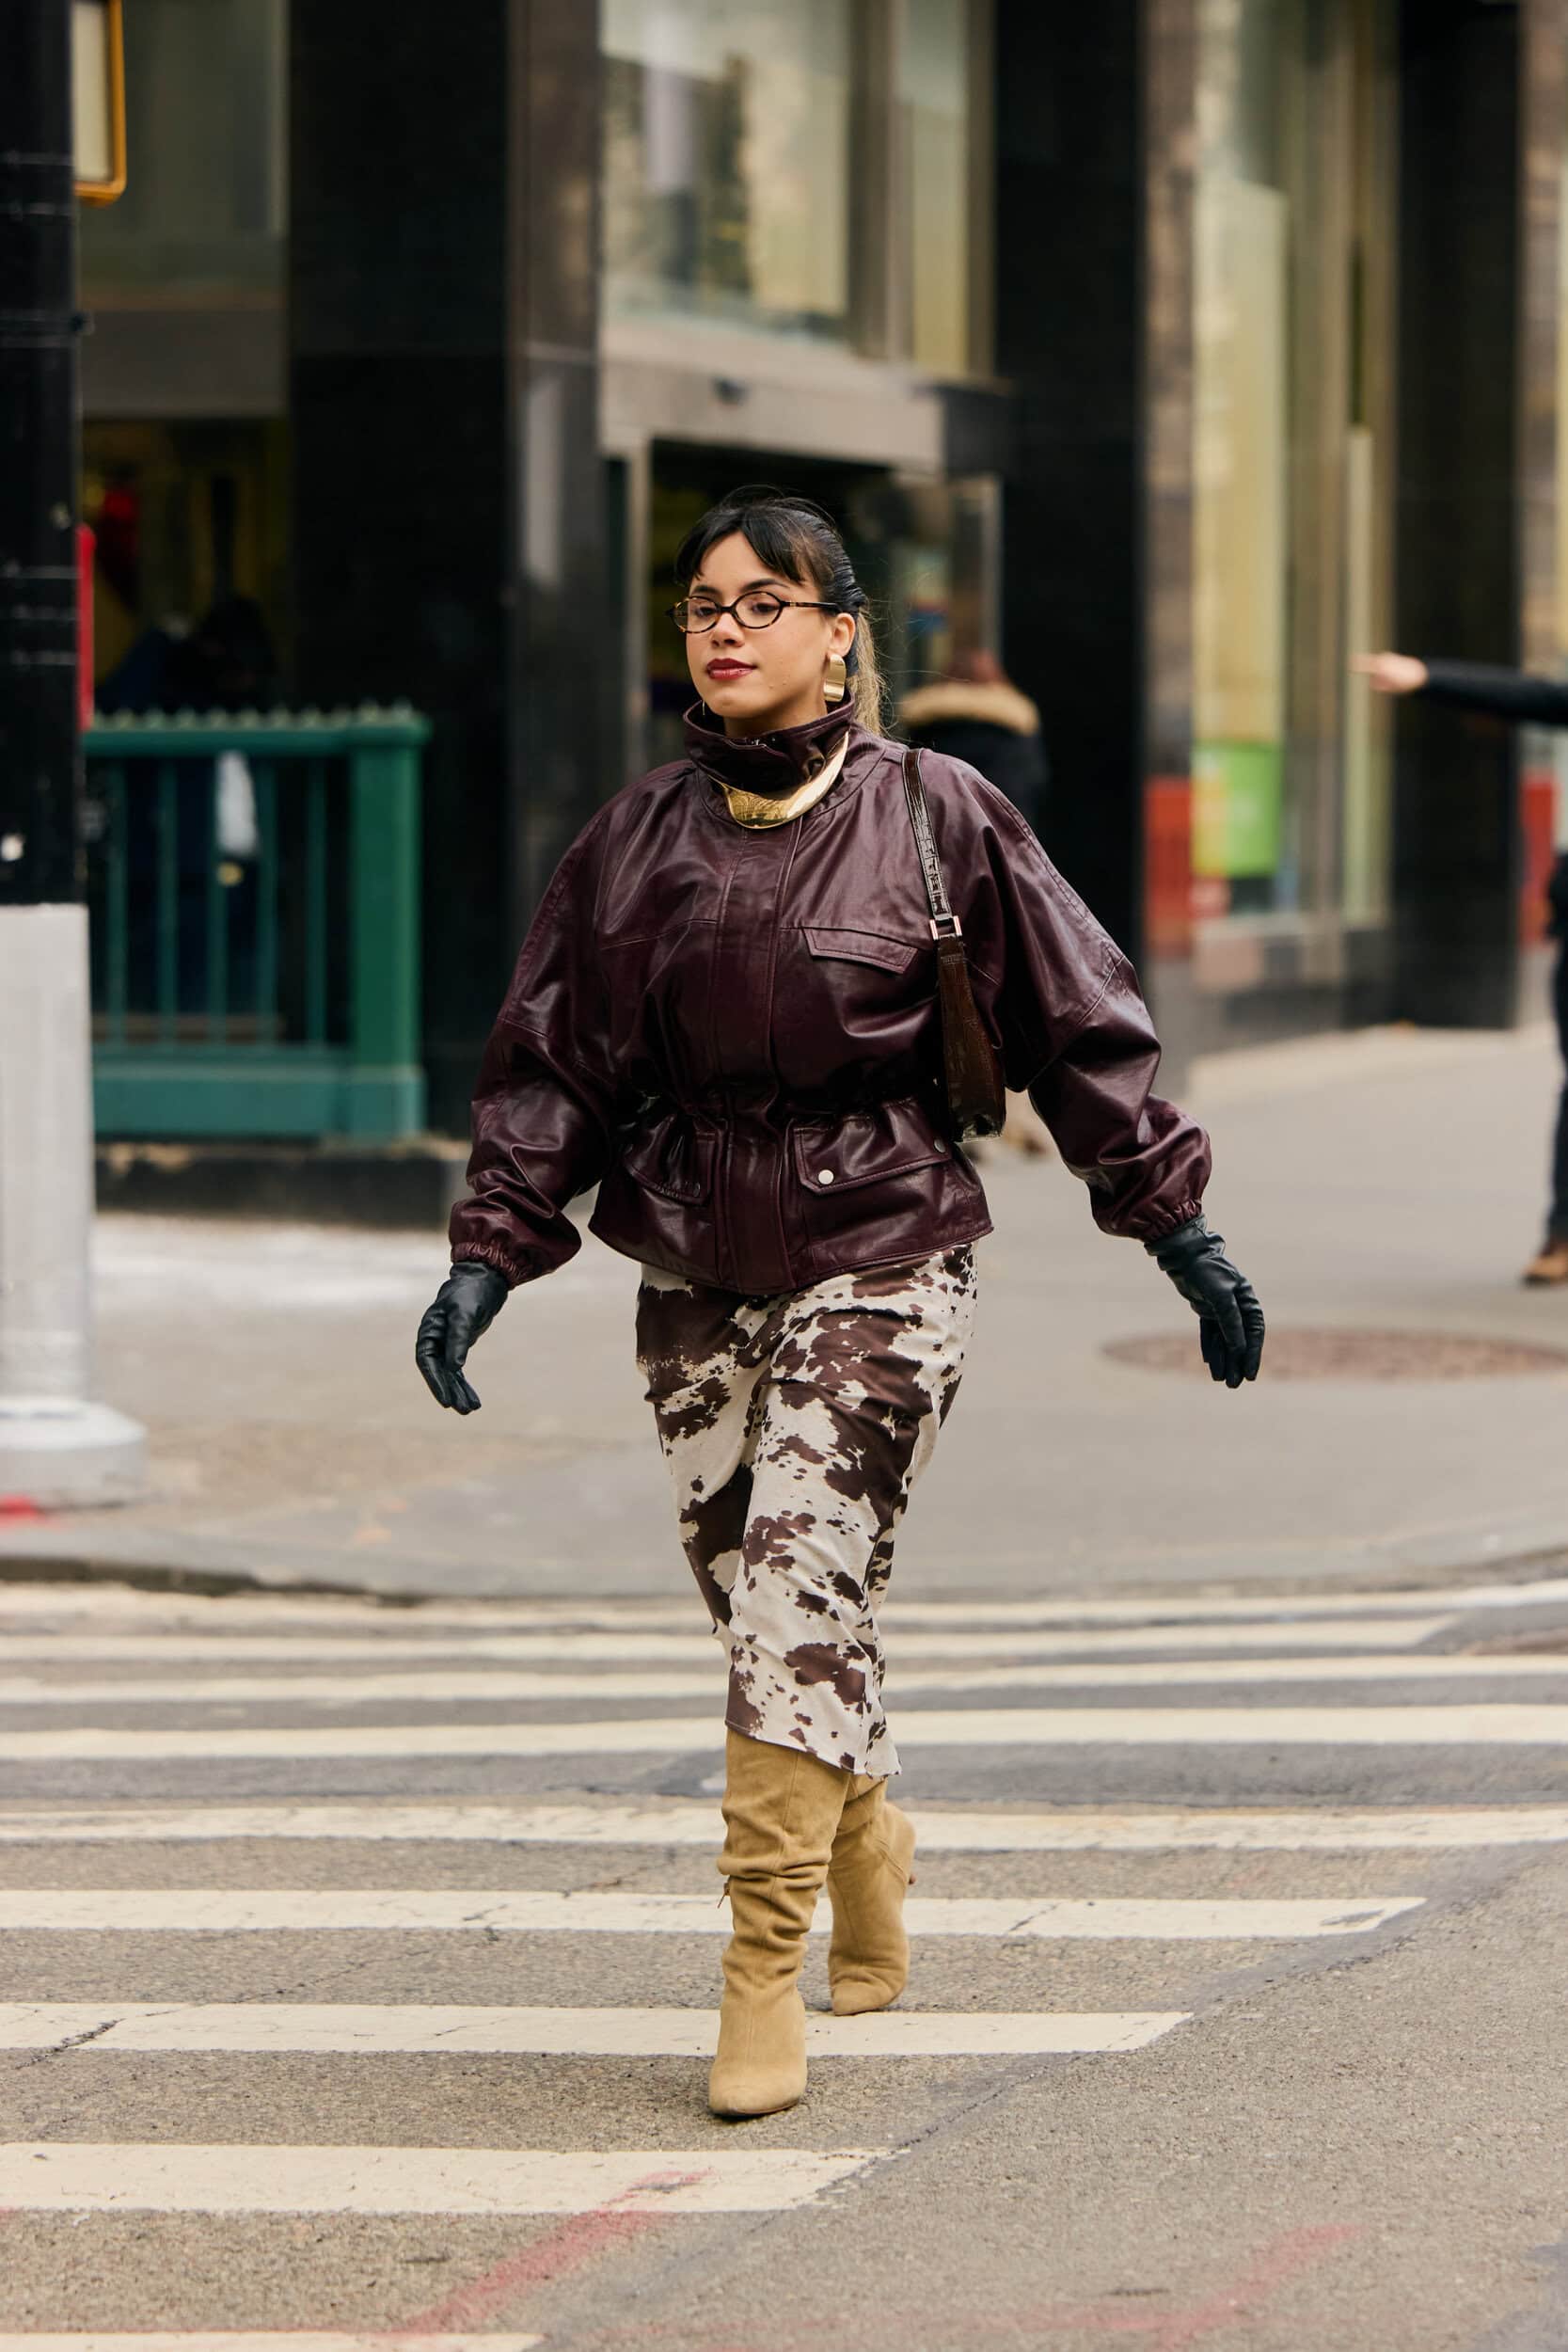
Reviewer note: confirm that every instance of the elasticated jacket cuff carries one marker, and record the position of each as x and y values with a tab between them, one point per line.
486	1253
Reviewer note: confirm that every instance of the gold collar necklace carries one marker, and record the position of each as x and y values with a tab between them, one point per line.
758	810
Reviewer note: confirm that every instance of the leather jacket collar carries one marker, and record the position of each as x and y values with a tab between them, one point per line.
764	763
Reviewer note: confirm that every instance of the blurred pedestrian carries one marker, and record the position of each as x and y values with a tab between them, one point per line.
228	664
225	663
1532	701
746	1012
977	714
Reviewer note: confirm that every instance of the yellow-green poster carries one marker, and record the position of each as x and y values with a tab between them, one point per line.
1237	801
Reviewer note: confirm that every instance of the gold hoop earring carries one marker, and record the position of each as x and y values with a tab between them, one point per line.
835	684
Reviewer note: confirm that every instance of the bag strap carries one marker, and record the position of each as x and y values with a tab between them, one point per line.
976	1102
943	921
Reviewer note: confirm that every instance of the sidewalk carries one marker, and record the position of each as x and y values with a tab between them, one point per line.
1388	1182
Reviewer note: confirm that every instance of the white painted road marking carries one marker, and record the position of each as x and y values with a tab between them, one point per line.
292	2340
150	2176
451	1910
344	2028
1202	1608
647	1649
481	1686
483	1821
65	1601
1464	1726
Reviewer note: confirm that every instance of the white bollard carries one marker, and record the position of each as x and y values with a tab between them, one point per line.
59	1448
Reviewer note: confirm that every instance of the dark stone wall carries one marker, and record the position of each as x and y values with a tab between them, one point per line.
1069	299
448	527
1456	861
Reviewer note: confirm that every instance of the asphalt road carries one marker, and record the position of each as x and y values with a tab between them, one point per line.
355	1966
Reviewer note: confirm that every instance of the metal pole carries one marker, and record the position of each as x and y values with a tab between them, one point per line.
39	858
57	1447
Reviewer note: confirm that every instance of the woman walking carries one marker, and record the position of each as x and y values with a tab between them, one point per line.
1541	702
745	1011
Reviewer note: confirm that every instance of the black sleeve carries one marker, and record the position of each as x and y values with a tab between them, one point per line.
1541	702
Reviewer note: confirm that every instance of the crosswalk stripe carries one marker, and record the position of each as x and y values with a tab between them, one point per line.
152	2176
314	1910
348	2030
377	1689
1354	1633
247	2339
616	1614
1204	1608
482	1822
1453	1726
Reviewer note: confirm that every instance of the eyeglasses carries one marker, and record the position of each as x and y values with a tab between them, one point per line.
757	608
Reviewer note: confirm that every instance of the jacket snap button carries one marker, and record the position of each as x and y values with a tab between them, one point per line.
824	1175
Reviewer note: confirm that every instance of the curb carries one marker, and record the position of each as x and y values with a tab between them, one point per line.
1524	1568
407	1186
211	1583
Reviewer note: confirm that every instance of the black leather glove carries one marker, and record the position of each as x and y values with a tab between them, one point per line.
466	1305
1231	1327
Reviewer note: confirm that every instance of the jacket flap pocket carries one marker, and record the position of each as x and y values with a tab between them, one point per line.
853	947
670	1156
866	1146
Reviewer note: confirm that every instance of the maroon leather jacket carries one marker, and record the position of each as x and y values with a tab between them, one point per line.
734	1033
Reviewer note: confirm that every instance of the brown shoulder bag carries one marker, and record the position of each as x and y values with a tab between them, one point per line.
976	1098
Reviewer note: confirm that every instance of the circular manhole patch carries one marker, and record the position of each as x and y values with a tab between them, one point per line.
1304	1354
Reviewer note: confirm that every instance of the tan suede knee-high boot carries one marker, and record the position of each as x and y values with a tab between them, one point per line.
781	1810
869	1959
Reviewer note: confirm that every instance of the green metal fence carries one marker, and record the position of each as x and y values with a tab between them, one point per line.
254	887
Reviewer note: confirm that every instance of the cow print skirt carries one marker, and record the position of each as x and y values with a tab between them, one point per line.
793	1429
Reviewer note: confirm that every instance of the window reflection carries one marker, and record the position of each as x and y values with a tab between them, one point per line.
1241	551
1293	455
938	207
205	200
727	162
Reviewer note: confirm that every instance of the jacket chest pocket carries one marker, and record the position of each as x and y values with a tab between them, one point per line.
831	942
851	998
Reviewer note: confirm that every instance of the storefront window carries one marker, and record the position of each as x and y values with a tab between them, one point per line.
1369	558
938	136
1561	548
1292	462
727	162
1241	554
205	201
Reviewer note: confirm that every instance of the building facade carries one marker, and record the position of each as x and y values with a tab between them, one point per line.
1172	350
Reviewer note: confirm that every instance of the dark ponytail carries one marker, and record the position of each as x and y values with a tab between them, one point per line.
799	540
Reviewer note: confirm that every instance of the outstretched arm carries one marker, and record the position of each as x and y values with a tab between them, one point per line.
1541	702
